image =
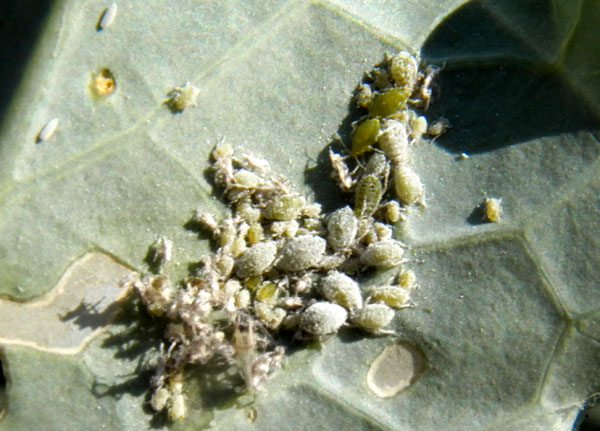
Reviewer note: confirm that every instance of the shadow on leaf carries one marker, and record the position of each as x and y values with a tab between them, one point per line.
505	77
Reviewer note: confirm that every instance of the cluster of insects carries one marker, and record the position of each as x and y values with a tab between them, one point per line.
283	270
391	93
281	267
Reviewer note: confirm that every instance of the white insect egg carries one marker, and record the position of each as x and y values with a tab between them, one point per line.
383	254
393	141
342	290
408	185
393	296
256	259
301	253
342	227
323	318
374	317
108	16
48	130
492	209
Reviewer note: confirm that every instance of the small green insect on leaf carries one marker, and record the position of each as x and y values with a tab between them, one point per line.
368	196
389	102
365	137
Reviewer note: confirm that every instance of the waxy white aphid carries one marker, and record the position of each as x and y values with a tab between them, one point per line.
271	316
438	127
256	259
323	318
181	98
393	141
48	130
160	398
285	207
383	254
342	227
408	185
107	17
302	252
392	296
393	212
492	209
374	317
404	69
342	290
364	96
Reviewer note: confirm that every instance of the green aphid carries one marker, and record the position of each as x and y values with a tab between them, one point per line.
365	137
389	102
367	197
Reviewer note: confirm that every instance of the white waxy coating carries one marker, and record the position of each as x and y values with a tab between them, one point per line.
393	296
160	398
409	188
395	369
323	318
342	227
383	254
255	260
393	141
373	317
48	130
108	16
302	252
342	290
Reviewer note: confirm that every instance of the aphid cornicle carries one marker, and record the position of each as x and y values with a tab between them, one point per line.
367	196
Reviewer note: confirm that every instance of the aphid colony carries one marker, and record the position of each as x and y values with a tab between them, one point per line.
283	267
280	266
382	139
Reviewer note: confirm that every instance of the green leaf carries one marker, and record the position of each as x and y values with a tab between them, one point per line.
506	315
